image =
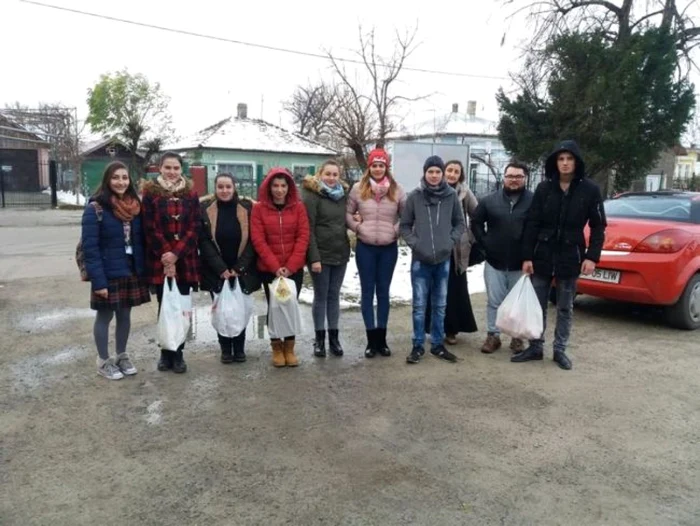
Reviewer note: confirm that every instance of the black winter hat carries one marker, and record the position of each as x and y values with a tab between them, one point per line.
433	160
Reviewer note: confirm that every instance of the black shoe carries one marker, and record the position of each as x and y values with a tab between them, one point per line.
166	361
528	354
239	348
416	354
439	351
226	345
179	365
382	347
371	349
334	343
562	360
239	355
320	344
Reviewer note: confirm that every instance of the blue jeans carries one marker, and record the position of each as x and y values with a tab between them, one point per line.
498	285
566	292
375	265
429	280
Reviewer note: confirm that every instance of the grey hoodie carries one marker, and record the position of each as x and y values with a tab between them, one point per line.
432	222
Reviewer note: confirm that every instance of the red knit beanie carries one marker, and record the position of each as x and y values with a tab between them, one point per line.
378	156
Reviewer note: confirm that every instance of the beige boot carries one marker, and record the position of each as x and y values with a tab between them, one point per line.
289	357
278	353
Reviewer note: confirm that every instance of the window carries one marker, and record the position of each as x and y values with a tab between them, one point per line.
665	207
299	171
244	173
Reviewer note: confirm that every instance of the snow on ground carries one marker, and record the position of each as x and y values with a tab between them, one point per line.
67	198
400	291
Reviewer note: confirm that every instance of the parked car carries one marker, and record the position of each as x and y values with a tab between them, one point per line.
651	254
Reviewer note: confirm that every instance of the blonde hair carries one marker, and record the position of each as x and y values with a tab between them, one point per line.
366	187
330	162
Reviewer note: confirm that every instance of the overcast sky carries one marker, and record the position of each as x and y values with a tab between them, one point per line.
55	56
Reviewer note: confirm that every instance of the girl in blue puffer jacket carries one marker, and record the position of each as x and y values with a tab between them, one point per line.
112	240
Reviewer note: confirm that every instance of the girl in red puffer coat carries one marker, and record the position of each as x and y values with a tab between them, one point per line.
280	236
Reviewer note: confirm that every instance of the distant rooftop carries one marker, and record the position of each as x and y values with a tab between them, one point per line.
454	123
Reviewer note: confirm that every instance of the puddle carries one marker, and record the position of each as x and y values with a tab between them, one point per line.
35	371
49	320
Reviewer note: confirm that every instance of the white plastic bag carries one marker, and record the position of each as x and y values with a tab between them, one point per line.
231	310
174	317
520	314
283	316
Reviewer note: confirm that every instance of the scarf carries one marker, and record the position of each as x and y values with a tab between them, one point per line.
434	194
126	208
381	188
335	193
172	186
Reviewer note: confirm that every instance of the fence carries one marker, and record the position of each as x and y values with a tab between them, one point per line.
26	182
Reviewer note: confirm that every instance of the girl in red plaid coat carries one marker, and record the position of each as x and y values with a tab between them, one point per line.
171	218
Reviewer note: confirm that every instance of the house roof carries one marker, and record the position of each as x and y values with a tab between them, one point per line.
24	134
454	123
235	133
88	147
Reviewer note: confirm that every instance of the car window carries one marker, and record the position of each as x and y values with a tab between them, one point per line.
662	207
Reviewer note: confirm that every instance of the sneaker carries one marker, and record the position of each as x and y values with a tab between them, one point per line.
416	354
108	369
125	365
492	344
439	351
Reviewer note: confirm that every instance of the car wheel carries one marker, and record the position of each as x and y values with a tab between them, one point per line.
685	314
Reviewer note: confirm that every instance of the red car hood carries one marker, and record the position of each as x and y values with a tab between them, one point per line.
623	235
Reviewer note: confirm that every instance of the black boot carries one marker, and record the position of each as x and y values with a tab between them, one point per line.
239	348
562	360
527	355
226	349
334	343
371	349
382	347
320	344
179	365
166	360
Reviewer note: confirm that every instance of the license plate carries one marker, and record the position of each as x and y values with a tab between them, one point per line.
605	275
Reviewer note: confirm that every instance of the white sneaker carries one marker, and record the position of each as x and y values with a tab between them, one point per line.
108	369
125	365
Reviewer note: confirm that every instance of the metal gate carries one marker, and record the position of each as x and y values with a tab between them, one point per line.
26	182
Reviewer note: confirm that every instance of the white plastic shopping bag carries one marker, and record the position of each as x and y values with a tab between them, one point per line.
174	317
231	310
283	316
520	314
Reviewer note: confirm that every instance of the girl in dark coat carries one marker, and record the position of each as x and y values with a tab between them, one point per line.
325	197
112	242
227	252
171	222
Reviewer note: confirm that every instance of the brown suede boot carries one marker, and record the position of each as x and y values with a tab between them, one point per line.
289	357
517	345
492	344
278	353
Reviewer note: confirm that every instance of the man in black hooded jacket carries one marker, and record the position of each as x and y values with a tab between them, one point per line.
554	245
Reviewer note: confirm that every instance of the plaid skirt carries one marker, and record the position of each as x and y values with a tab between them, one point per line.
123	292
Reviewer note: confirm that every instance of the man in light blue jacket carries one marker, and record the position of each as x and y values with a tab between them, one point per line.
431	223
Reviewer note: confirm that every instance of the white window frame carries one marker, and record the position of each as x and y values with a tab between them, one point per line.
307	166
236	163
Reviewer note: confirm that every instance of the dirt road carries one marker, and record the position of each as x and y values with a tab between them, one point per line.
337	441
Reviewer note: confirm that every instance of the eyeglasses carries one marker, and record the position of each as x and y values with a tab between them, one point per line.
514	177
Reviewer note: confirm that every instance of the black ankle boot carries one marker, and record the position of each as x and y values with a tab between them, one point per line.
382	347
166	360
179	365
238	349
226	349
371	349
527	355
320	344
334	343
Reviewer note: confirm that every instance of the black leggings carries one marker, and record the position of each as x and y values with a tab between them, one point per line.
267	278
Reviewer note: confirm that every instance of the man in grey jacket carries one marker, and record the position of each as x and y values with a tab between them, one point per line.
498	224
431	223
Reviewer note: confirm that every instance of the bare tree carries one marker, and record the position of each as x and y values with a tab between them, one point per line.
354	122
312	108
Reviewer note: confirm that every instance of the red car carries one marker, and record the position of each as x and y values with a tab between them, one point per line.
651	254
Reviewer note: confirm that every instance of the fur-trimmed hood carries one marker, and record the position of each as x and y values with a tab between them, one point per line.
312	183
151	186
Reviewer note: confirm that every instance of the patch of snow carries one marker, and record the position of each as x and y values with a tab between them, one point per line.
251	135
67	198
400	291
154	411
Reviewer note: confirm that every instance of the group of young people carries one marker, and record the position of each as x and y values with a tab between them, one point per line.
134	243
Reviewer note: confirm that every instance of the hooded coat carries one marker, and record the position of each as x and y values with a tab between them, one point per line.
554	232
328	243
280	236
